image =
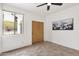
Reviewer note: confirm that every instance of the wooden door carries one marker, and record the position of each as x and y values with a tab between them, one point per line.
37	32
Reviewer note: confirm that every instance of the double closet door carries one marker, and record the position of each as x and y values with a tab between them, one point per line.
37	32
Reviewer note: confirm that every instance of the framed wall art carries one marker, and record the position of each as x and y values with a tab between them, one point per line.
66	24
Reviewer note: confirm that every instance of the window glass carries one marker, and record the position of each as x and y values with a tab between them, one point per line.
18	23
8	23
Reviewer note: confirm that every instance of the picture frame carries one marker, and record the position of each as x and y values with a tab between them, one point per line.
66	24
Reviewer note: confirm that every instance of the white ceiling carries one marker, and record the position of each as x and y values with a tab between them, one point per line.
43	9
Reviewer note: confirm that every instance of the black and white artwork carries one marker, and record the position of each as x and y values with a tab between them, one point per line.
66	24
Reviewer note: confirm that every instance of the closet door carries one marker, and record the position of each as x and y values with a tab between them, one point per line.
37	32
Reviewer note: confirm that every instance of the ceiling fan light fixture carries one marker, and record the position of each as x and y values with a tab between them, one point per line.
49	4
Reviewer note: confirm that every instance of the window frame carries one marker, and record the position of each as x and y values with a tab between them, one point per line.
14	19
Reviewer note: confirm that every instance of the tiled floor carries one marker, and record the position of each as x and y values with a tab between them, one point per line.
43	49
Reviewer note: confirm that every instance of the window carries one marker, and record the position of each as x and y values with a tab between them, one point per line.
13	23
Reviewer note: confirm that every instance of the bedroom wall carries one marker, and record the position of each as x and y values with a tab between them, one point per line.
0	29
63	37
10	42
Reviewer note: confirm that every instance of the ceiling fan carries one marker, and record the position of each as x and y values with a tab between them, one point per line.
48	5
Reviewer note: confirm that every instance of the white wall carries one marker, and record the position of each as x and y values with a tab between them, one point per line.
0	29
10	42
65	38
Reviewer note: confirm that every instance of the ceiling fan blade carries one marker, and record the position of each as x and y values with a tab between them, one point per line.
41	4
59	4
48	8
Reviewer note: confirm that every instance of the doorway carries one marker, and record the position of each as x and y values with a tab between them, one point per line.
37	32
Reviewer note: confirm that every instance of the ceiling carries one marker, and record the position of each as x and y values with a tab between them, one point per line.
31	7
